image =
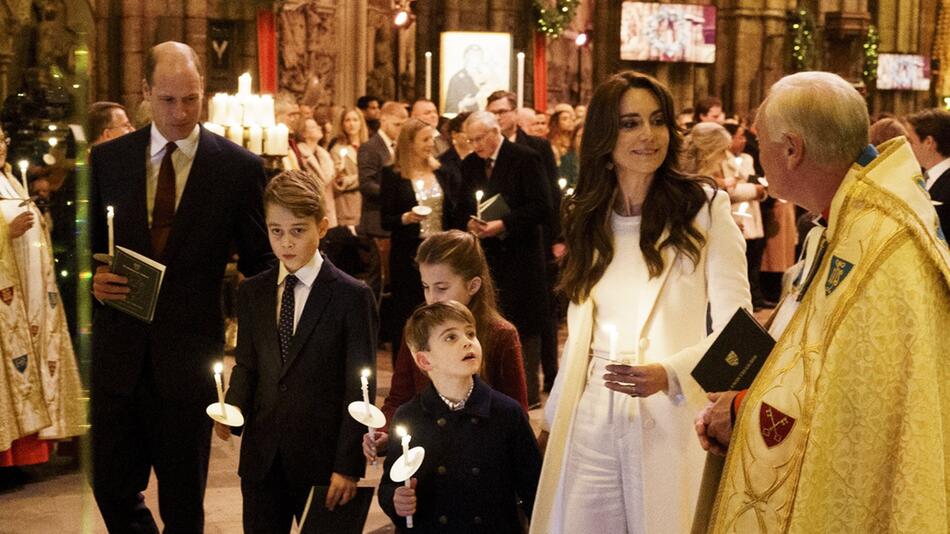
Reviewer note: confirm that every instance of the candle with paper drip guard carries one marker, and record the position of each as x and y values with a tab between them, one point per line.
110	223
364	411
406	465
743	211
420	209
221	411
478	203
24	165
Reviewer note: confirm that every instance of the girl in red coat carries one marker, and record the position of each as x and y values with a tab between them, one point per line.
453	267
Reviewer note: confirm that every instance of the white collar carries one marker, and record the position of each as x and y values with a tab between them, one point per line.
494	157
188	146
934	172
306	274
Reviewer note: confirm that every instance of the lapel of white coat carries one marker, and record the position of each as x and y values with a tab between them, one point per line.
654	287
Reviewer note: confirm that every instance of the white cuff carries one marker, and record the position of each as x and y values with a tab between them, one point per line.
673	389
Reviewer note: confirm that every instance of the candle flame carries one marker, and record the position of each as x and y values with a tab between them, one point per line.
23	164
479	194
428	54
110	211
562	183
364	373
218	367
401	431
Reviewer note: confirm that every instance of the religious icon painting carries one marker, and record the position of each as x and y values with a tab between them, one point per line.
473	65
837	273
774	425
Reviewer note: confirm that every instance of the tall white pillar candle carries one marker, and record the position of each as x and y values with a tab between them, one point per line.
520	79
244	84
110	222
255	139
428	75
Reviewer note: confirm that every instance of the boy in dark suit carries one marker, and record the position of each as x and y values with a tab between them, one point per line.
305	331
482	460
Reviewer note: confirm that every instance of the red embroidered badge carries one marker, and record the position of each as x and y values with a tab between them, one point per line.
774	425
6	295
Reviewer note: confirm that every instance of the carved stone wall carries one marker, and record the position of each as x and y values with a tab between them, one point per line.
308	48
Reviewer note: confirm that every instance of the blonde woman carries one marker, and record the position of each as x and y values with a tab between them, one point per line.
352	132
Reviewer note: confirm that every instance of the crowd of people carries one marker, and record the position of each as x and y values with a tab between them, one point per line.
464	242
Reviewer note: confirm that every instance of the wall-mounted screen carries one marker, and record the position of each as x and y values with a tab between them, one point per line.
668	32
903	71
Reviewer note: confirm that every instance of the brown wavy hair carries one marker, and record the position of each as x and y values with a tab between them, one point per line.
462	253
672	202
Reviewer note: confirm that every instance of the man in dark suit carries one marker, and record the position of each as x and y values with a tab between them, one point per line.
182	196
512	243
502	104
929	136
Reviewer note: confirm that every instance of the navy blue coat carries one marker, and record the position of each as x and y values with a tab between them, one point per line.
481	463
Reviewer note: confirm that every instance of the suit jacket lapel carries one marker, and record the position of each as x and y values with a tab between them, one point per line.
196	196
267	297
138	237
320	295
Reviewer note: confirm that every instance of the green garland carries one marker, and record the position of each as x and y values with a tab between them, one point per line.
803	40
871	44
552	21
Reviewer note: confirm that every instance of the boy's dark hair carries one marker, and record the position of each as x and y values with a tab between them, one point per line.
426	318
297	191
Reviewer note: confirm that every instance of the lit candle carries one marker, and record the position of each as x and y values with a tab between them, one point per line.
478	203
267	110
570	191
562	183
236	134
255	139
53	142
428	75
364	384
110	216
612	334
281	135
218	367
520	79
404	434
24	165
244	84
420	191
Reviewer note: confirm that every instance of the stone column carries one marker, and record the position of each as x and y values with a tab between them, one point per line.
196	28
133	48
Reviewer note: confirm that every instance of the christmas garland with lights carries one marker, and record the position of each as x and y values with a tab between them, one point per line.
552	21
871	44
803	39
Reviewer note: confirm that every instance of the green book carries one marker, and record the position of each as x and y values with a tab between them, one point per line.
145	280
494	208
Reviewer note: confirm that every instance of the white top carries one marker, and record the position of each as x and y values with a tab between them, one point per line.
182	159
934	172
615	297
306	276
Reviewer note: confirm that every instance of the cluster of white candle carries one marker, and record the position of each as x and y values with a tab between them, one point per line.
248	120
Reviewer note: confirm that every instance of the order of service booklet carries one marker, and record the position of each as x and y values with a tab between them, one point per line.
145	280
494	208
736	355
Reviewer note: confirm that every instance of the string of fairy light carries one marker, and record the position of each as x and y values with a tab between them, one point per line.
803	39
551	21
871	44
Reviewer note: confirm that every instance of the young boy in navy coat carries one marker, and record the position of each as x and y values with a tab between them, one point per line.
305	331
482	462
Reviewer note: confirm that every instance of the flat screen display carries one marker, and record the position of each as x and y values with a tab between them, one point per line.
668	32
903	71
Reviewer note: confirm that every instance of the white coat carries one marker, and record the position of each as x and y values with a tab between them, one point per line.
674	333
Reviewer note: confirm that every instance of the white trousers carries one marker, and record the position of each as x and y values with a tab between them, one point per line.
603	482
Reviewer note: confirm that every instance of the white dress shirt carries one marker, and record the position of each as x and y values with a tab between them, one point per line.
390	144
934	172
182	159
306	276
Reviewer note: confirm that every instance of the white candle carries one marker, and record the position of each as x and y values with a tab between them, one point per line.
520	79
275	142
24	165
364	384
236	134
218	367
562	183
428	75
215	128
267	110
218	108
255	139
110	216
235	111
612	334
402	432
244	84
478	203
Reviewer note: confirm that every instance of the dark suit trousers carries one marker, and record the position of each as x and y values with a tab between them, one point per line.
130	436
271	504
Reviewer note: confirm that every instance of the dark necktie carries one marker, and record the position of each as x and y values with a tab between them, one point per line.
163	211
285	324
489	164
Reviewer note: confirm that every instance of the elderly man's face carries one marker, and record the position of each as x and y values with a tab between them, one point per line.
774	163
484	139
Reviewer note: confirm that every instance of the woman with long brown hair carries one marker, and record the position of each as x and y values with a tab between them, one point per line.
346	187
452	266
648	249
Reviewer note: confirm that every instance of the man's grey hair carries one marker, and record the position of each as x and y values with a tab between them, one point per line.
484	118
824	109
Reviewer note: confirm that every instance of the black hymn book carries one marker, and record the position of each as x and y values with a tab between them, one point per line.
145	280
736	356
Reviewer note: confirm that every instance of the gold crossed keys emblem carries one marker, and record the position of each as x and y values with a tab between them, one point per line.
774	425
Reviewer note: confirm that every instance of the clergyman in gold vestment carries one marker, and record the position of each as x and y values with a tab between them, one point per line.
847	426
